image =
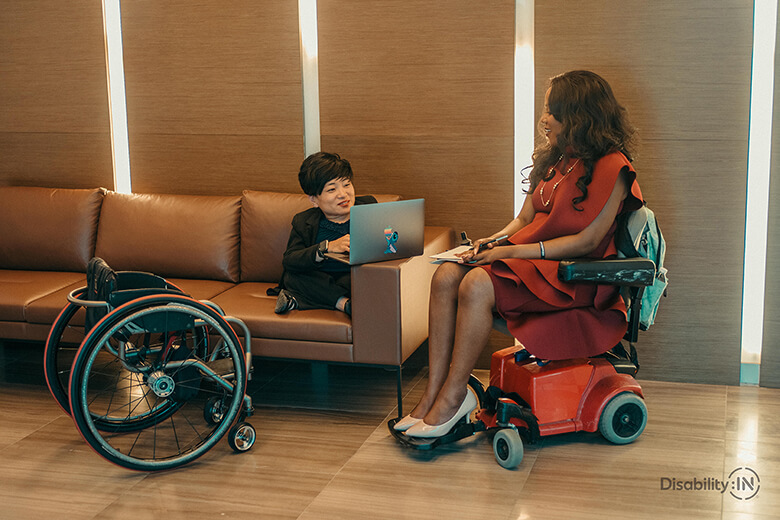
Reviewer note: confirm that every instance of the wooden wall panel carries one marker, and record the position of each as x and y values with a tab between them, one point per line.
418	96
214	95
54	125
683	72
770	358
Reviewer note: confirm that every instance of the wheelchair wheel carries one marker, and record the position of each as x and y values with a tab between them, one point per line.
62	344
144	376
508	448
624	418
242	437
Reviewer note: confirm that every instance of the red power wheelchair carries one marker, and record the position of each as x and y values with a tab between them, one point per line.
529	398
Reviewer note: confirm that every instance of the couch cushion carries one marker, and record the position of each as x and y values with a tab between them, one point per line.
266	221
46	309
45	229
185	236
249	302
18	289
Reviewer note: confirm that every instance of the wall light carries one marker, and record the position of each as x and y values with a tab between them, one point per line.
307	23
757	200
525	116
120	148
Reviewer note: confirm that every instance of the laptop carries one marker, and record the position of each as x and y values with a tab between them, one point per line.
384	231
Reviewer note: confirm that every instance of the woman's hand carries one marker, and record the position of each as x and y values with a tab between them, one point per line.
340	245
487	254
478	246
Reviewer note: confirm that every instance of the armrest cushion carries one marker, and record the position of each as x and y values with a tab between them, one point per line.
634	272
390	303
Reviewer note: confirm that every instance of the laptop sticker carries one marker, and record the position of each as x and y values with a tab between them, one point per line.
391	237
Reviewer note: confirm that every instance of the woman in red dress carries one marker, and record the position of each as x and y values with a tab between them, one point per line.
581	180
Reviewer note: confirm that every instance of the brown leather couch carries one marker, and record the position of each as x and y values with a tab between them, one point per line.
226	249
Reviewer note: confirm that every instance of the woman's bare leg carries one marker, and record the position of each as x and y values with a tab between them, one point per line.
441	330
475	303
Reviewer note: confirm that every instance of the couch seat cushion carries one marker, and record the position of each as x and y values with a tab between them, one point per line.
19	289
201	289
249	302
45	310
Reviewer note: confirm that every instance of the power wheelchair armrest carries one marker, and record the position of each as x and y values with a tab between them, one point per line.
634	274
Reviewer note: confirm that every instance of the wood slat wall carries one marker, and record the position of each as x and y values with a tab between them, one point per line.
418	96
683	72
214	95
770	358
54	128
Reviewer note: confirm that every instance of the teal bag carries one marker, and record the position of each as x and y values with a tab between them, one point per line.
638	234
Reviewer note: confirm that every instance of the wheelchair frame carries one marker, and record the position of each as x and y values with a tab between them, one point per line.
158	380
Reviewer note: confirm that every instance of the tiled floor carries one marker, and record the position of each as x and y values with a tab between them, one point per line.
323	451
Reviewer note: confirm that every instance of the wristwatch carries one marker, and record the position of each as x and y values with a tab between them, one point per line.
322	248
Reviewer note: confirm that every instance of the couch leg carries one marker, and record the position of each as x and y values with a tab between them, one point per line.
400	391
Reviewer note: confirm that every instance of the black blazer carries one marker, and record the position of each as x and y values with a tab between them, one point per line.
302	246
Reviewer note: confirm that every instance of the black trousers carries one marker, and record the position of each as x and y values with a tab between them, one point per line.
317	289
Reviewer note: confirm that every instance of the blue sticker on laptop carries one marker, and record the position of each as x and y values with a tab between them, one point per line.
391	237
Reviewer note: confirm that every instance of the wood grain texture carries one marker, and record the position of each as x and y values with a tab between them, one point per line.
770	357
212	83
54	128
419	96
683	72
323	451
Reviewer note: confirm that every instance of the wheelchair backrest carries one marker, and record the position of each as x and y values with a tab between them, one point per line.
118	287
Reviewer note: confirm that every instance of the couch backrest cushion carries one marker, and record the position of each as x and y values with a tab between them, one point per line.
266	222
47	229
181	236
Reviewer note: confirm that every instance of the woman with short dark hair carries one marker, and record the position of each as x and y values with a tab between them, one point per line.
310	280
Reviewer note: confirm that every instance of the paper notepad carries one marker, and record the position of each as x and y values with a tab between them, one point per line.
449	256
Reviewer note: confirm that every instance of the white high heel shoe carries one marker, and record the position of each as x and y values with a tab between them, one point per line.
406	423
426	431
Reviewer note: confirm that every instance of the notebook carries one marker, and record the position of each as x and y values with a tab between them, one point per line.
384	231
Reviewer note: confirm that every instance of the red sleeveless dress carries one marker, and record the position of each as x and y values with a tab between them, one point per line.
551	318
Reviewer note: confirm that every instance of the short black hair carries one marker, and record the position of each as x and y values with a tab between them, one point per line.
319	169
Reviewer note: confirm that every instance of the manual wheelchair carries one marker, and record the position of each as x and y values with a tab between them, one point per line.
153	378
530	398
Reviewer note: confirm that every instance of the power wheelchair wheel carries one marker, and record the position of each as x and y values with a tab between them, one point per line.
508	448
624	418
63	342
144	376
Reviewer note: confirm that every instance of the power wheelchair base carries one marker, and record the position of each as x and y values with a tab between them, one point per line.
528	399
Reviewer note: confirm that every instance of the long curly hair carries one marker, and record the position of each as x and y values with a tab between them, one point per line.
594	124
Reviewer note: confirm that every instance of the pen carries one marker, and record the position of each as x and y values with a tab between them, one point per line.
490	242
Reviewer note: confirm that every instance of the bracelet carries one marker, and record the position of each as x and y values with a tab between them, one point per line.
541	248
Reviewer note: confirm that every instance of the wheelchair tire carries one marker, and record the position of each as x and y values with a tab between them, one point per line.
624	418
128	374
508	448
63	342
